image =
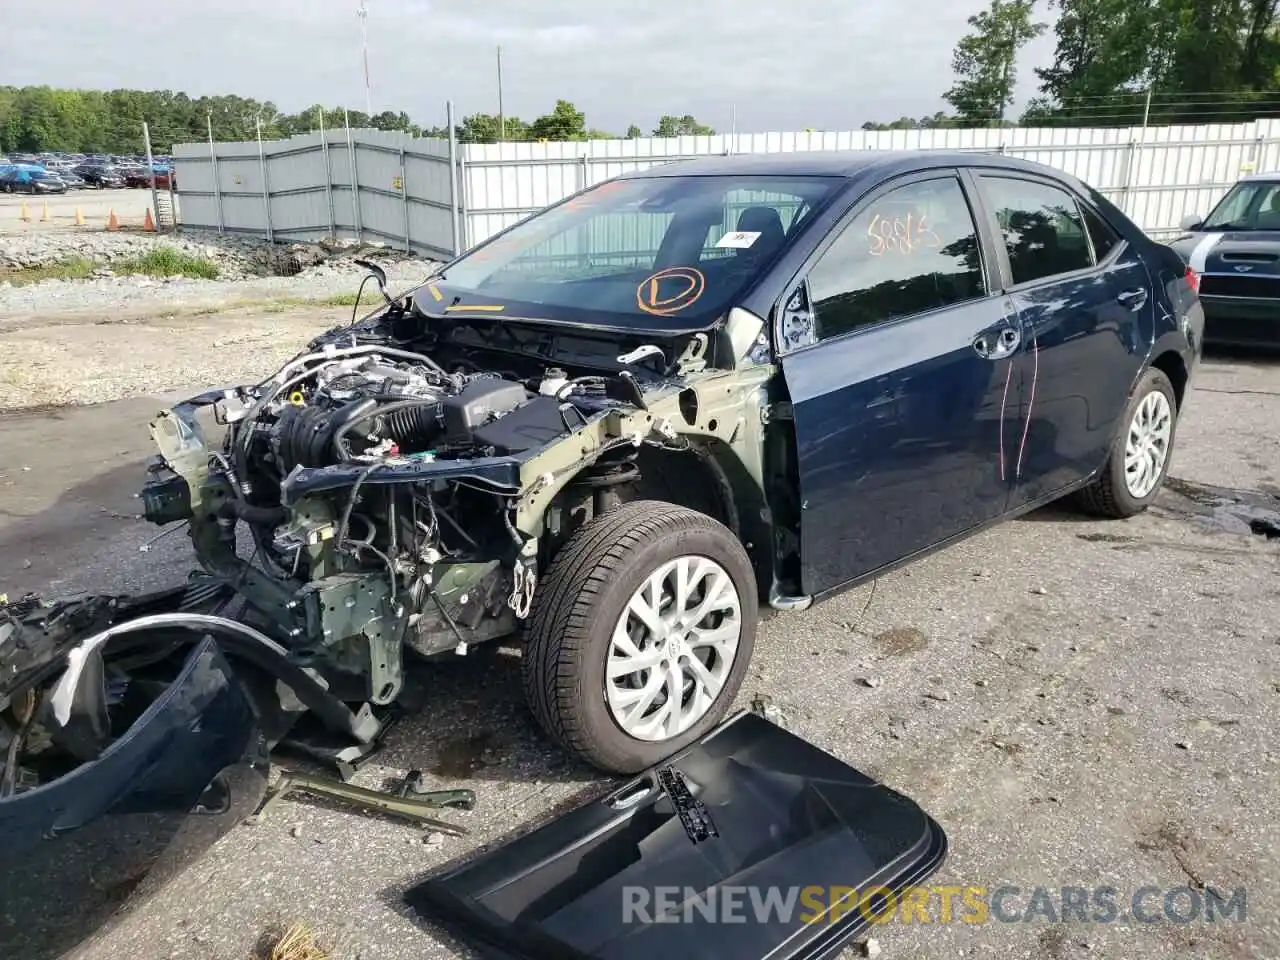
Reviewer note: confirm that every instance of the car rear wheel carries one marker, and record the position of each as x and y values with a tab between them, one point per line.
1140	452
640	635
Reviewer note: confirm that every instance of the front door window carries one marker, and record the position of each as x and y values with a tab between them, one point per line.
913	250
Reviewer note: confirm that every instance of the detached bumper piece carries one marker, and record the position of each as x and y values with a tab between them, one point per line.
78	850
753	843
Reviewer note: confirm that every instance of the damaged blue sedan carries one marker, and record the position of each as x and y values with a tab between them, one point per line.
614	432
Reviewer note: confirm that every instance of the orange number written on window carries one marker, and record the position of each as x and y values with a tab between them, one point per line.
903	235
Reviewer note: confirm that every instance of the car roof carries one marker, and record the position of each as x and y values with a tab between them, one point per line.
1261	178
848	164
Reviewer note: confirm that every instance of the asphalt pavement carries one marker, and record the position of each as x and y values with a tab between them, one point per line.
1081	704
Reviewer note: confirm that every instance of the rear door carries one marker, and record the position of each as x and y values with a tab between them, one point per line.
1085	302
898	359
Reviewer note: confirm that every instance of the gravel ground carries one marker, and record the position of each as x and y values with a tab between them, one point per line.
1077	702
65	339
53	363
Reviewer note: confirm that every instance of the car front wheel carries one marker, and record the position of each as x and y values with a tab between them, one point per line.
1140	452
640	635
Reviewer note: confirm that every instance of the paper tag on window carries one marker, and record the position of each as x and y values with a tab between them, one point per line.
739	239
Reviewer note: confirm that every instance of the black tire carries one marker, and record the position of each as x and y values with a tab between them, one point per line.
579	601
1108	496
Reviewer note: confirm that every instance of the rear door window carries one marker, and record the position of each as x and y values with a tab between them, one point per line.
1044	232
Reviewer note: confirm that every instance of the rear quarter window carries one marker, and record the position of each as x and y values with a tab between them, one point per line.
1104	238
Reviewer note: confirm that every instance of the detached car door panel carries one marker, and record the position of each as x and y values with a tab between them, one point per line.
898	362
1084	302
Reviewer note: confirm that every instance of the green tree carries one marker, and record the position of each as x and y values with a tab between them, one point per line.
484	128
565	122
1260	56
985	60
1203	60
935	122
633	132
686	126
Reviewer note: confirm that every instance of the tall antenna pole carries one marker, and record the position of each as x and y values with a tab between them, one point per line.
363	13
502	120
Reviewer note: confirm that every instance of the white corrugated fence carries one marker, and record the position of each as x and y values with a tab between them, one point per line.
434	197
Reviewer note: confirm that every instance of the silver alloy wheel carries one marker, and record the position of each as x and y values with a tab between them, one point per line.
1146	448
672	648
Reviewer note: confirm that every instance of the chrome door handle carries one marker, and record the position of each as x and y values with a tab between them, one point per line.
1008	341
1133	299
994	346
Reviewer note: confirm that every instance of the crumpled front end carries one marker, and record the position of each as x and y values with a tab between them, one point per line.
381	493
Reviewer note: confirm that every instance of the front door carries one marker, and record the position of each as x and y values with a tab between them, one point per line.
1086	306
898	361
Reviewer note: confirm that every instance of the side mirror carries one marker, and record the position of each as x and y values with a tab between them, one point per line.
1190	222
379	275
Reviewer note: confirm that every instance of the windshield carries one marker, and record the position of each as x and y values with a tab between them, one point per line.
662	252
1247	206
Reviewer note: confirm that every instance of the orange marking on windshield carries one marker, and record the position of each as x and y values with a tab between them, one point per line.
670	291
487	307
592	194
435	293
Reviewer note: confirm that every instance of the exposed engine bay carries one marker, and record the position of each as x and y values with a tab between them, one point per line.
404	482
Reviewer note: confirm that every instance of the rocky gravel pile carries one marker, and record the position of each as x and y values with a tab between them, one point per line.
235	257
249	270
133	296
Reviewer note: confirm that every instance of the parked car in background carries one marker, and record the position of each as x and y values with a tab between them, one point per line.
136	176
1236	252
102	177
165	178
72	179
25	178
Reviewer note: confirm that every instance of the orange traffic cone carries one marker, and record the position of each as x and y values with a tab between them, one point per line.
148	224
23	212
113	222
79	217
44	215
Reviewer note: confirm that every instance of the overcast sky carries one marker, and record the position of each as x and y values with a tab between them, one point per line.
785	64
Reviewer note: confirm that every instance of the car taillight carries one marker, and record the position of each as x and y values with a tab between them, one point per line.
1193	280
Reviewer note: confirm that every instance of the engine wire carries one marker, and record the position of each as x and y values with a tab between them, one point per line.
365	474
359	293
